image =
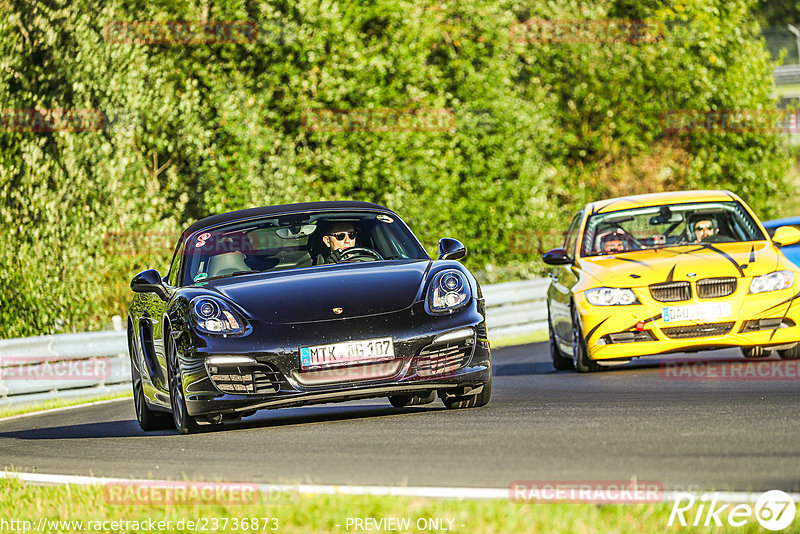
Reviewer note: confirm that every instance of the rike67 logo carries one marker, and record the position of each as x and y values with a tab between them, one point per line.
774	510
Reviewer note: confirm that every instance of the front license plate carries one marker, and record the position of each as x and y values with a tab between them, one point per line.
348	352
707	311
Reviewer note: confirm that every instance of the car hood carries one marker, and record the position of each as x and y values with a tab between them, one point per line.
644	267
312	294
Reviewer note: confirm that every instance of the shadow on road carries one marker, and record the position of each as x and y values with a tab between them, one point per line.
105	429
284	417
534	359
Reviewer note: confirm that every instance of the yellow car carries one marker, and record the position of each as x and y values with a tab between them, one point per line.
670	272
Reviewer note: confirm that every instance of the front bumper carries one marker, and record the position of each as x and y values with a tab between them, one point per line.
770	320
267	371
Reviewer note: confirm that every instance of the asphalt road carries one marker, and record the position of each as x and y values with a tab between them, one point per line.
541	425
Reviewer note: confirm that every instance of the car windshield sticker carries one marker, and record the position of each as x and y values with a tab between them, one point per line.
201	239
385	218
200	276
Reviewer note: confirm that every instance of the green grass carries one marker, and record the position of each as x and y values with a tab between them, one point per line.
322	513
787	90
524	339
56	403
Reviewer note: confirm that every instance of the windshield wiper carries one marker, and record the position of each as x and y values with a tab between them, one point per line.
235	273
248	271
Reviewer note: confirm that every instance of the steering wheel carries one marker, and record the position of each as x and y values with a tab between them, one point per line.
717	238
354	254
632	242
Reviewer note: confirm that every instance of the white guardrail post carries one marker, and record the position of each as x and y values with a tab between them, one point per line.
37	369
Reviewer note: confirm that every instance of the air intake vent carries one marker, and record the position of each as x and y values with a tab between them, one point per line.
245	379
629	337
671	291
440	359
698	330
712	288
756	325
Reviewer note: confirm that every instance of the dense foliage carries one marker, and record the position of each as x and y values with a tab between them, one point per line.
536	128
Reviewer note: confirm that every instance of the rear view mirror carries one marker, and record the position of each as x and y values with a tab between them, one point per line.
296	232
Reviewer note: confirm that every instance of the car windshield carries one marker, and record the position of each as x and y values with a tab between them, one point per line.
668	225
294	241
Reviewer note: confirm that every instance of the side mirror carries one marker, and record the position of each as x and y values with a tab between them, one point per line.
786	235
451	249
557	256
149	281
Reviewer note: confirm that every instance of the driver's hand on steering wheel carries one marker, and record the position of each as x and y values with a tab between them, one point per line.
355	254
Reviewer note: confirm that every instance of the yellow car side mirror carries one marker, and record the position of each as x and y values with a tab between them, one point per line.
786	235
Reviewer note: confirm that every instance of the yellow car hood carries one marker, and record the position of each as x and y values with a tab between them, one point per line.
707	260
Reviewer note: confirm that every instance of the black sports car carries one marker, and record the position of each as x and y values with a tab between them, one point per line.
302	304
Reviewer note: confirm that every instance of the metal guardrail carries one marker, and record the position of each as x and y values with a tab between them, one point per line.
70	366
37	369
515	308
787	74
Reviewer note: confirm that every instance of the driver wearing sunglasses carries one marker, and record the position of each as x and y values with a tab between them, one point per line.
340	236
704	228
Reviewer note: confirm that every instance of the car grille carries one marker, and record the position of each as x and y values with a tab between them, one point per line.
712	288
439	359
671	291
256	379
756	325
698	330
628	337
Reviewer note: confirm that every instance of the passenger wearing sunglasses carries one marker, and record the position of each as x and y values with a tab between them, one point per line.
704	228
340	236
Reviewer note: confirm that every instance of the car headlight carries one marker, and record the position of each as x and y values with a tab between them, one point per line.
772	282
611	296
214	317
448	291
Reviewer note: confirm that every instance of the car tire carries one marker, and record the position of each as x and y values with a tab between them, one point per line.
469	401
790	354
560	362
580	354
184	423
753	353
148	419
